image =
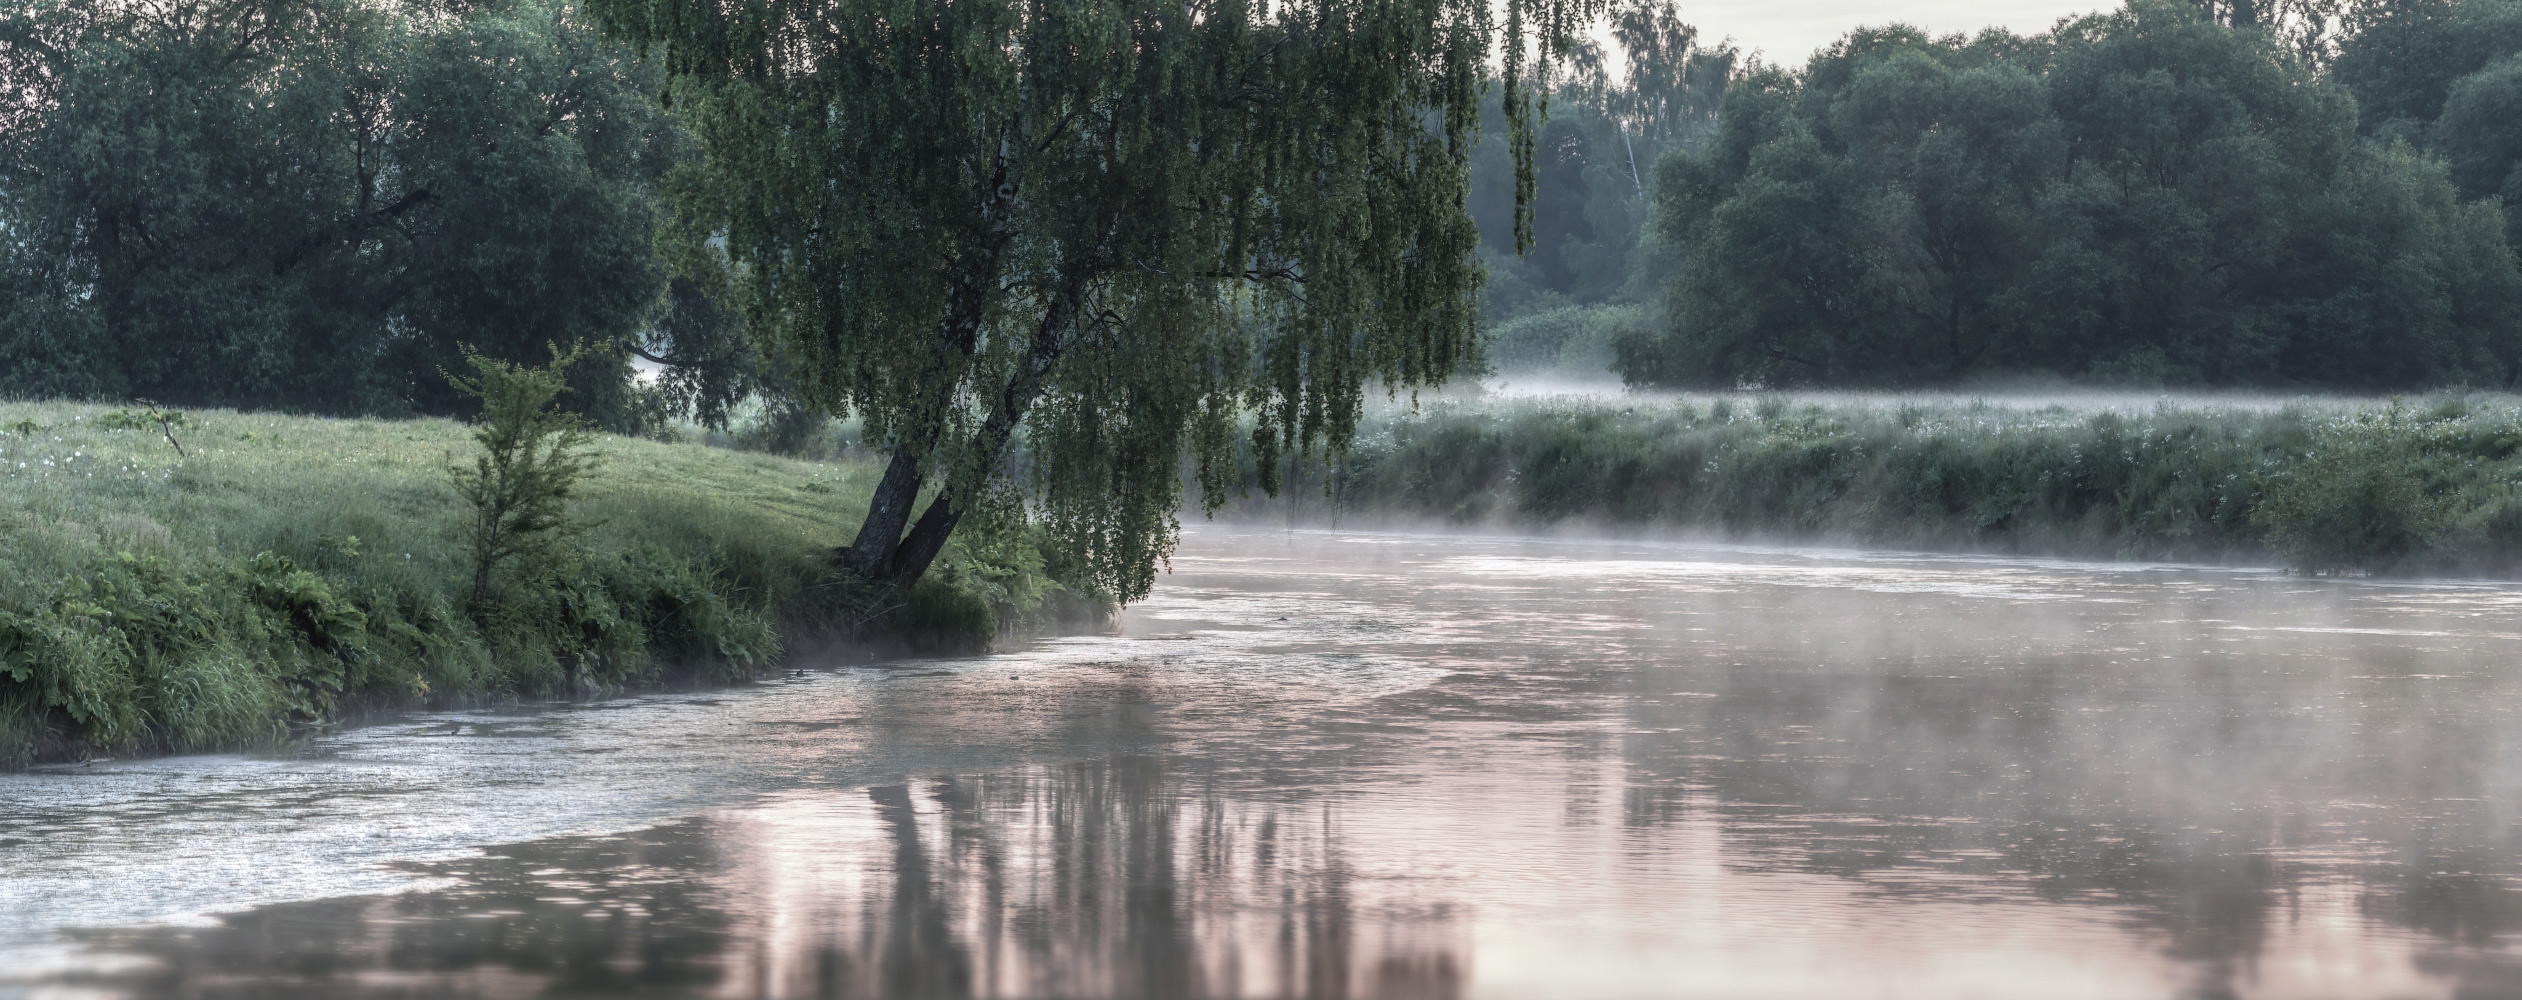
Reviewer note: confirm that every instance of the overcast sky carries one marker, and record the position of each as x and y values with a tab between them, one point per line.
1787	31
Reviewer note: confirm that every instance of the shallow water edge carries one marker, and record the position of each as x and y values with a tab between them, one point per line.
1352	764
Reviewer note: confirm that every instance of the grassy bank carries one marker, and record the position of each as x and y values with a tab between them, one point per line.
290	567
2418	486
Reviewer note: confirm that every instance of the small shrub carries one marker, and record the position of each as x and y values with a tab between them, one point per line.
1571	341
996	555
335	631
2363	500
74	664
533	456
694	615
136	652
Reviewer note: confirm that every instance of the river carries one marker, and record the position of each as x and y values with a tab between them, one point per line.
1328	764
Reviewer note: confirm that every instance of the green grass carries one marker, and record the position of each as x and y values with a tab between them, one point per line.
2424	486
291	567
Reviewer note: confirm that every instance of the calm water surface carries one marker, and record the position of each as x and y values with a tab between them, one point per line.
1391	766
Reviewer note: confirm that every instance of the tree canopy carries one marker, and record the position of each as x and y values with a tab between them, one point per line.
1108	230
2145	195
2446	76
309	204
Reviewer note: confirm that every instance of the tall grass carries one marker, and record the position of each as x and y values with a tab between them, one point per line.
291	566
1567	341
2396	487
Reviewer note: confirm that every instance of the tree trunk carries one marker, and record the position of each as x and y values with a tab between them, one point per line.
887	512
871	555
926	541
928	538
485	552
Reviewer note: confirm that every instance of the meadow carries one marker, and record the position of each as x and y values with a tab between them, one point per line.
286	570
2418	486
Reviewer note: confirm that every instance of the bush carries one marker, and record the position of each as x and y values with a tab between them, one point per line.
2371	495
1571	341
533	455
136	652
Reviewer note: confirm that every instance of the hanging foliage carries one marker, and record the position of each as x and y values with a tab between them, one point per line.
1115	227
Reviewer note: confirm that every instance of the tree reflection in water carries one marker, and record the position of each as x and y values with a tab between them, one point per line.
1102	879
1099	879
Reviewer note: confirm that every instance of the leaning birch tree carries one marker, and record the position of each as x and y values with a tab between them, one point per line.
1118	228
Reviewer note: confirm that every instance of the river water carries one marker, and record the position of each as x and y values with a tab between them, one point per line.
1320	764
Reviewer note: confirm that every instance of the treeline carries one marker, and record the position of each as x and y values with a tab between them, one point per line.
313	205
2163	194
310	204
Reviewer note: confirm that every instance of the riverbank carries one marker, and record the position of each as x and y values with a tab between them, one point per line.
2415	486
286	569
1828	770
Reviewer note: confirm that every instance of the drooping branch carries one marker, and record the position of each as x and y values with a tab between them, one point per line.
1225	210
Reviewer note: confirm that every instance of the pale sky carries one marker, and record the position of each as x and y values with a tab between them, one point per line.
1787	32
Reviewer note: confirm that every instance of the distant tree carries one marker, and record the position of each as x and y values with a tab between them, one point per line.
541	144
708	366
2446	76
308	204
1673	84
1591	246
2401	57
2307	29
1112	228
2480	137
1867	222
2145	196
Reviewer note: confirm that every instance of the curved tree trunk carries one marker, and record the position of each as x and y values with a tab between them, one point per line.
887	511
928	538
872	555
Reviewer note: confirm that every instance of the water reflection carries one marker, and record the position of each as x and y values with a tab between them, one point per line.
1387	767
1102	879
1107	879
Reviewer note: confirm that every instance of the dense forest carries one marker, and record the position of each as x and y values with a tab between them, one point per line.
310	204
2159	195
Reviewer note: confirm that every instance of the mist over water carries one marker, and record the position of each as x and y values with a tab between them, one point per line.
1327	764
2027	396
